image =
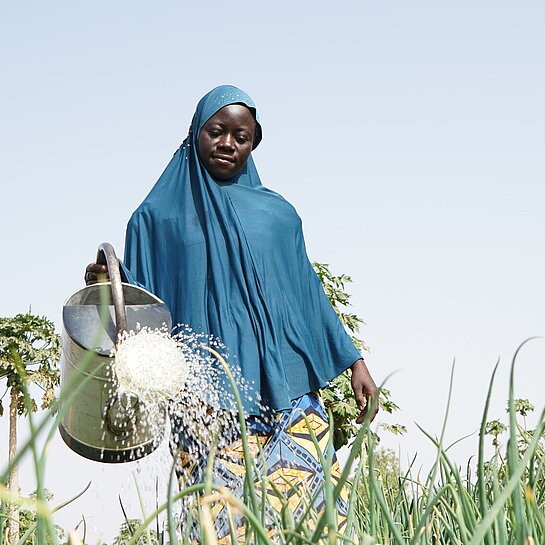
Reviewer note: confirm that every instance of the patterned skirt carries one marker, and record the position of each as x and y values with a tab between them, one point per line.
283	452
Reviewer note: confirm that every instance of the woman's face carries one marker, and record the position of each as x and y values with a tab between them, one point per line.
226	141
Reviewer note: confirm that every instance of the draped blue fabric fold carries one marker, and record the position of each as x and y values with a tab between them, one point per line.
229	259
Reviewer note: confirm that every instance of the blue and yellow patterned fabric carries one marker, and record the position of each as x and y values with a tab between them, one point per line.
284	452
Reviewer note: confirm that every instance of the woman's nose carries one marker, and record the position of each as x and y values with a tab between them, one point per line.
227	141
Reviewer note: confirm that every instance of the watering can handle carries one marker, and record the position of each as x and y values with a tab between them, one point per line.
106	256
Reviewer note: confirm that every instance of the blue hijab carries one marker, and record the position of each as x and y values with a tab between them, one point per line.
229	259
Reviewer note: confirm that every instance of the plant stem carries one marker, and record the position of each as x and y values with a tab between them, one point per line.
13	484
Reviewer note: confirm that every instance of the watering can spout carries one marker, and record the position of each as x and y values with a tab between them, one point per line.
99	423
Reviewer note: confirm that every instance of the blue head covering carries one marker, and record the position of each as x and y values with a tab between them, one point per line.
228	258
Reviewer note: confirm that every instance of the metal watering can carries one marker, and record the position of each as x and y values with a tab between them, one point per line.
100	423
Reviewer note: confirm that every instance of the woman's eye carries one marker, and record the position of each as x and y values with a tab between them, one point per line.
214	133
242	139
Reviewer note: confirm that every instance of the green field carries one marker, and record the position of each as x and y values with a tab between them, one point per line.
499	502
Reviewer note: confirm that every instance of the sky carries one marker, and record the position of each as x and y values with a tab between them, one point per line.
408	135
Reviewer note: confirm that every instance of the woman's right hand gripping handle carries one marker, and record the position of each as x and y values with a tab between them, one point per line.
96	273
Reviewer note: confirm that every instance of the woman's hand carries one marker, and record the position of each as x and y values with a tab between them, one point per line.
365	390
96	273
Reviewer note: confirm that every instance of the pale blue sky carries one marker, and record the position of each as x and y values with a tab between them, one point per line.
408	135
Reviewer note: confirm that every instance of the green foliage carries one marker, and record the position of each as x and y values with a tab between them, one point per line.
339	396
522	407
29	352
495	428
445	507
498	466
127	530
28	519
396	429
387	473
501	503
335	289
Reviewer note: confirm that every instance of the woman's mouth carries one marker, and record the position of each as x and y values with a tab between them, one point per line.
223	160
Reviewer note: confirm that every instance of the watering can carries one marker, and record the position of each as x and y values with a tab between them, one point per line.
100	423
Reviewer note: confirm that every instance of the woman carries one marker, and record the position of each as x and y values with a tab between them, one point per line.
227	256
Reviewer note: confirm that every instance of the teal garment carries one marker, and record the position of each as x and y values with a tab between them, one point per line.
229	259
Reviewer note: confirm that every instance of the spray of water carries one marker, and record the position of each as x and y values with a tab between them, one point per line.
150	365
162	380
155	372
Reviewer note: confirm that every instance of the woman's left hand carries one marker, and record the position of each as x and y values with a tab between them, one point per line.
365	390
